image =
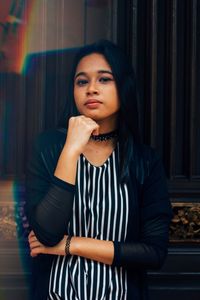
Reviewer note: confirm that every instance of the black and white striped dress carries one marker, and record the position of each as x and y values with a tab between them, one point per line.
100	211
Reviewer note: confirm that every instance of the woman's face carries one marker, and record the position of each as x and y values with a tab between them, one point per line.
95	91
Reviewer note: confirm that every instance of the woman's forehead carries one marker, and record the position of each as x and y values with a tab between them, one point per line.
93	63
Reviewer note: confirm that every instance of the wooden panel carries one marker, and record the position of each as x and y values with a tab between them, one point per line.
165	50
179	277
98	20
12	125
46	90
195	91
166	58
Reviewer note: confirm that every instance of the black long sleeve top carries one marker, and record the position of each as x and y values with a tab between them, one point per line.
50	200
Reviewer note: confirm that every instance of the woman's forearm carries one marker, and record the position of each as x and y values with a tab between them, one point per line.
137	255
98	250
66	166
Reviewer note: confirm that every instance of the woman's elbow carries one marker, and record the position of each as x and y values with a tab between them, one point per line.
44	236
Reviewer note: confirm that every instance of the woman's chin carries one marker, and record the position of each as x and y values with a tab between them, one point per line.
93	115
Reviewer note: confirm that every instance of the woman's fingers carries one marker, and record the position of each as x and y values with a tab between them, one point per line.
79	131
35	246
38	248
96	131
31	234
32	239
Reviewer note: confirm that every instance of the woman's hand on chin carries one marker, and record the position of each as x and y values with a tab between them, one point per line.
38	248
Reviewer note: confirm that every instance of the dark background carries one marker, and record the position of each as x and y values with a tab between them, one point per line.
162	37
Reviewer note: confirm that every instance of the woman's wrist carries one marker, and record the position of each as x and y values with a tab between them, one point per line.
70	151
74	245
67	245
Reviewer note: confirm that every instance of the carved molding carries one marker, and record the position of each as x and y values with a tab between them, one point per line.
7	222
185	225
13	221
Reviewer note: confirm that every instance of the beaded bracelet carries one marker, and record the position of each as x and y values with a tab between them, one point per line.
67	245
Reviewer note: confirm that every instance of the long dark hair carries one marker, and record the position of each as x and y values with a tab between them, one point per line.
128	121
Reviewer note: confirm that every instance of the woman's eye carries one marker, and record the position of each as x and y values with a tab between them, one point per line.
105	79
81	82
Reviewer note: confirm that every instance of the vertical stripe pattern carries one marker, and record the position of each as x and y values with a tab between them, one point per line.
100	211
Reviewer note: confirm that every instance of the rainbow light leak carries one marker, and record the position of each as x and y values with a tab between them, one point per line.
24	33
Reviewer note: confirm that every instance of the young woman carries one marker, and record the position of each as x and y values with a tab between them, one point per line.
97	200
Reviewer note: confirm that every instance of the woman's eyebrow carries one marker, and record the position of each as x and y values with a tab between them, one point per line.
79	74
100	72
105	71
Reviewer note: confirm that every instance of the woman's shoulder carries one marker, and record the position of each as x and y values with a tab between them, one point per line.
147	152
50	138
144	160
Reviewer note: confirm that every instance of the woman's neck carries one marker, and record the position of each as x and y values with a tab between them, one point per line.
106	127
96	144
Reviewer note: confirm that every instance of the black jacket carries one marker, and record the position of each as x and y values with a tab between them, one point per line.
48	213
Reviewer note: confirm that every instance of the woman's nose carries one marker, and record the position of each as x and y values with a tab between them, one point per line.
92	88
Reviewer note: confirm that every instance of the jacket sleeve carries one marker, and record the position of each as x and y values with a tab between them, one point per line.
49	200
155	216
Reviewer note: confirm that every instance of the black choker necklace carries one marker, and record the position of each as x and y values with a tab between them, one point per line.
105	136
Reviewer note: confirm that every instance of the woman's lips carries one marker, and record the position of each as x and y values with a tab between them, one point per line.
92	103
